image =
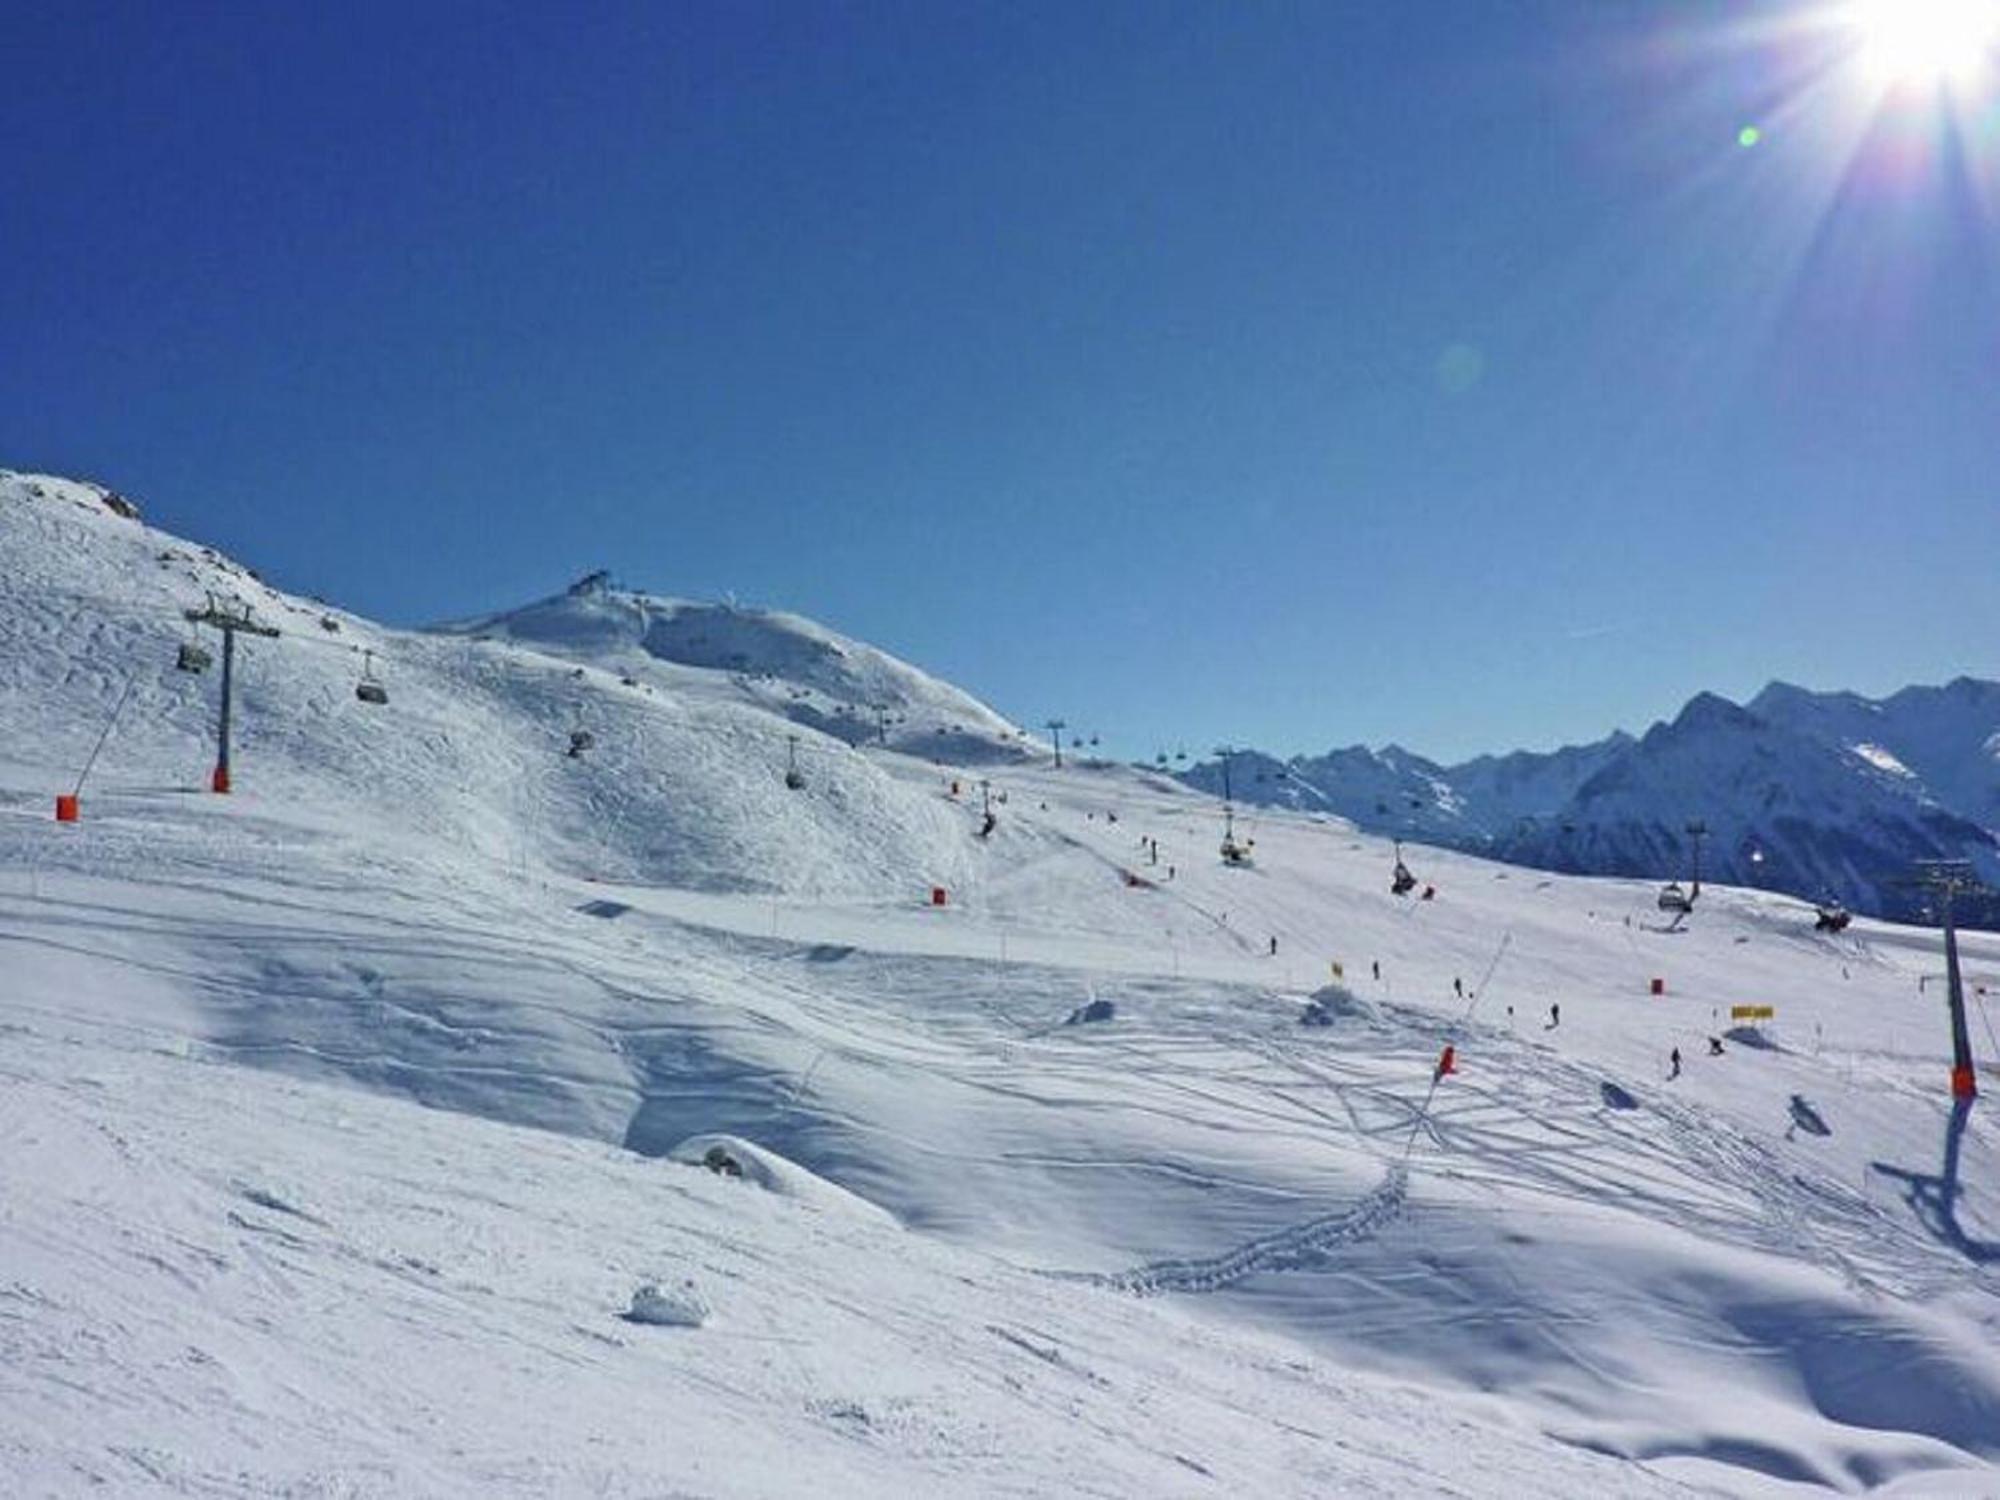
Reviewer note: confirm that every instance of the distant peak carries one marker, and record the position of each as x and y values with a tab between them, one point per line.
1777	687
1712	710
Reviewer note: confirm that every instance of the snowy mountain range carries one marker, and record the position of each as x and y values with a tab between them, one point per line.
519	1085
1823	795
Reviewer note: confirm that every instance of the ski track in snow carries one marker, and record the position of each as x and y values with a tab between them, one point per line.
1287	1249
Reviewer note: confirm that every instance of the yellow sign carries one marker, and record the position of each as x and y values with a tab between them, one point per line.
1338	972
1752	1012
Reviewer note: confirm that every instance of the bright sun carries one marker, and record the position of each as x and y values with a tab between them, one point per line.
1925	41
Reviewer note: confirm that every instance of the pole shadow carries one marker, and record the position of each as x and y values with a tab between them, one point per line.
1934	1199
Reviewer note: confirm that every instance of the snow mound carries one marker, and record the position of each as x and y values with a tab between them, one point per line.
733	1156
679	1307
1335	1002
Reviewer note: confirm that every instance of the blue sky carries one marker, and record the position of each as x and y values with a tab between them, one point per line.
1284	374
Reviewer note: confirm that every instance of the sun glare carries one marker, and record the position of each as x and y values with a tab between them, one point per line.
1925	41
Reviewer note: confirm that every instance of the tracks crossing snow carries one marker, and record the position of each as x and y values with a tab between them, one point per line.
1296	1247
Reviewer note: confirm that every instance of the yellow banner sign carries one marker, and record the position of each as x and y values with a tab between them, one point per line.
1752	1012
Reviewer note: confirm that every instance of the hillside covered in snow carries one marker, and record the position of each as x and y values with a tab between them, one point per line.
464	1106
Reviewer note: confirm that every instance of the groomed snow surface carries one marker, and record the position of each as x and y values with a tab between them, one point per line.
746	1170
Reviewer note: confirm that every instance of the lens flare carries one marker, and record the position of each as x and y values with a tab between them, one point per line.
1899	42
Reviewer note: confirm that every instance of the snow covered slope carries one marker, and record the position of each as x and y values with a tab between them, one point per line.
469	754
785	662
1197	1247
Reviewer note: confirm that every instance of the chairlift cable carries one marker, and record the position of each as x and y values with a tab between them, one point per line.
1987	1020
1478	994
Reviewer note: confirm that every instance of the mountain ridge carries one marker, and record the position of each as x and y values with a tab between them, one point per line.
1825	795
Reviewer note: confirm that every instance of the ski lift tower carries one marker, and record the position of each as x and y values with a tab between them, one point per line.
1233	853
885	715
1055	728
1945	880
230	624
1696	831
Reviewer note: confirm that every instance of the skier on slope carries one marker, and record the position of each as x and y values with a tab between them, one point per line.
1674	1059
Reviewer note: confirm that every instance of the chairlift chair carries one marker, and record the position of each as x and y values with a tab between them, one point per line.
1674	899
1401	882
580	740
1831	916
192	658
1235	851
369	689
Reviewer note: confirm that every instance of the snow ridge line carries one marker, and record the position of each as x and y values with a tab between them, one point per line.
1285	1250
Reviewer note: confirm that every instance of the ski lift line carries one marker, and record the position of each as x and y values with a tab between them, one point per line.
129	605
1452	1035
127	608
179	612
1987	1020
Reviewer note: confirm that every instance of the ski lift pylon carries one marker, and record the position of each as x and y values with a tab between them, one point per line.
795	779
1235	851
